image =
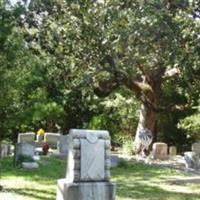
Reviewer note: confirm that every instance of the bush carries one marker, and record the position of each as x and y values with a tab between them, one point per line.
128	147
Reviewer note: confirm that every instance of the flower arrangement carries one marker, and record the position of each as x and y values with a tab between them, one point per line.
40	132
45	148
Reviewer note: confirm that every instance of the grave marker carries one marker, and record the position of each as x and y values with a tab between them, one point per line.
88	170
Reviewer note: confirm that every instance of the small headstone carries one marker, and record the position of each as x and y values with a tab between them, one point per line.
4	150
26	137
196	147
30	165
52	139
88	170
192	160
159	150
63	145
172	151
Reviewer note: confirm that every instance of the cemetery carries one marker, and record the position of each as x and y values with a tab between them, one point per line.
99	100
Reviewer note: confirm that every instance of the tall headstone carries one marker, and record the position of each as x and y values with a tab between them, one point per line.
88	170
63	145
28	137
51	139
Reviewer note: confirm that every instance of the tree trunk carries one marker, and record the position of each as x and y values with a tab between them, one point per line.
147	120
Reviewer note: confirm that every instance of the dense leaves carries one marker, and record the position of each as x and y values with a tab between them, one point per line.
59	58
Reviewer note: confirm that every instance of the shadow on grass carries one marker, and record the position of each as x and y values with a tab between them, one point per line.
50	170
142	172
146	192
34	193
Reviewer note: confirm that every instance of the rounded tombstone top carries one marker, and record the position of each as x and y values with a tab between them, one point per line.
92	138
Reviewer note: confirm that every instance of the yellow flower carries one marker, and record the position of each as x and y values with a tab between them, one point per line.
40	132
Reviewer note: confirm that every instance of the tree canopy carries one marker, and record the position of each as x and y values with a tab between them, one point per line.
75	53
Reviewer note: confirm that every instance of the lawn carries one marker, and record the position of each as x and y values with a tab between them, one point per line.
134	181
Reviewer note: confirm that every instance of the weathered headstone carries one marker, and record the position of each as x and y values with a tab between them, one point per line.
51	139
4	150
196	147
24	149
63	145
88	170
172	150
26	137
159	150
192	160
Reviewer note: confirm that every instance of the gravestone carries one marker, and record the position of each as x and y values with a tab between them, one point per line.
4	150
63	145
24	149
159	150
88	169
192	160
196	148
172	150
26	137
51	139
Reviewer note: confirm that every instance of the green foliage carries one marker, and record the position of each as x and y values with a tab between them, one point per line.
191	124
118	115
123	164
129	147
54	53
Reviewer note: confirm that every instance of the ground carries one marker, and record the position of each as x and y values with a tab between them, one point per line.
135	181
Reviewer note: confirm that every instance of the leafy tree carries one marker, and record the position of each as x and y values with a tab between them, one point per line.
145	46
11	49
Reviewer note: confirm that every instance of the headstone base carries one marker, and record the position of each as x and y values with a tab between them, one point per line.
85	190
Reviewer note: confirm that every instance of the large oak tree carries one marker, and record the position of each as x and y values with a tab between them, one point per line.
142	45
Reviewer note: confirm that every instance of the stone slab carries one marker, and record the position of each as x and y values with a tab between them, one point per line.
85	191
30	165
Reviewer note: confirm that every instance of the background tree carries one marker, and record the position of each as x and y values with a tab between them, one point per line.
105	45
144	50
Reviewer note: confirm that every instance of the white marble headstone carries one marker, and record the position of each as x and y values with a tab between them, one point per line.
28	137
52	139
89	156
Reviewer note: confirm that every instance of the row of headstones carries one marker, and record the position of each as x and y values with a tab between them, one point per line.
26	146
191	158
50	138
30	149
160	150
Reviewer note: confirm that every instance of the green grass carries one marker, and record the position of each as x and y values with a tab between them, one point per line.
134	181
